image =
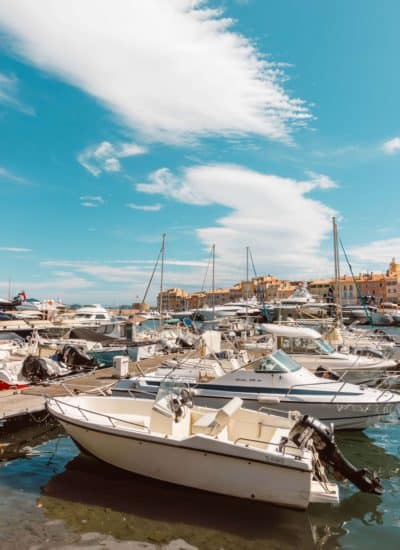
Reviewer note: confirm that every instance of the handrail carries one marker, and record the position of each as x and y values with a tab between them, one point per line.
109	417
320	384
264	442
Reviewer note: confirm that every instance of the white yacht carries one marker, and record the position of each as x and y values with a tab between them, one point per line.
310	350
276	381
90	315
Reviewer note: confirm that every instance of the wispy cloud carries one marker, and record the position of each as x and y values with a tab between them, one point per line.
391	146
14	249
276	216
13	178
9	94
173	70
91	201
105	156
378	252
144	207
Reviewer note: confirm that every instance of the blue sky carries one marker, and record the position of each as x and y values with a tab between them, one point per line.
235	123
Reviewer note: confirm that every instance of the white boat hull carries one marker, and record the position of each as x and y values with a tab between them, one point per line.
196	468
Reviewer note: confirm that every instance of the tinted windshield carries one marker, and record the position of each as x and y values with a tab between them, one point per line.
325	347
276	362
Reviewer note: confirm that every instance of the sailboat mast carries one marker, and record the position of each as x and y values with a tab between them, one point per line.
337	267
162	275
213	281
247	284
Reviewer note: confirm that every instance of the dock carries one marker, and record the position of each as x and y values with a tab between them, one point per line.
30	402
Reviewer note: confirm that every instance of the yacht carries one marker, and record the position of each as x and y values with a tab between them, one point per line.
307	347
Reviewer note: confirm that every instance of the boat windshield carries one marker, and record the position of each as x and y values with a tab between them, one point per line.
276	362
310	346
323	344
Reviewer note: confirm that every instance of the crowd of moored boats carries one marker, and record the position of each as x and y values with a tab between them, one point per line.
236	406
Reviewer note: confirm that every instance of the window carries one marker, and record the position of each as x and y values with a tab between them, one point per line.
275	363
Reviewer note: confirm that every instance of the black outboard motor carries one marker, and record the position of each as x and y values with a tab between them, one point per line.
34	369
328	452
76	359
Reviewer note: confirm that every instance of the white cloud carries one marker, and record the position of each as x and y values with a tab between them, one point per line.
284	227
391	146
13	178
172	70
376	253
145	208
105	155
14	249
9	94
91	201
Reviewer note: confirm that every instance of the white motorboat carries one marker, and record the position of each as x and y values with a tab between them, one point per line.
310	350
276	381
231	451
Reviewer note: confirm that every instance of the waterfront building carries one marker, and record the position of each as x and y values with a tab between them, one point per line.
376	288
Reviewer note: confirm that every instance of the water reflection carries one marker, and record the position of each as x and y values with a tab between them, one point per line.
92	496
132	507
18	442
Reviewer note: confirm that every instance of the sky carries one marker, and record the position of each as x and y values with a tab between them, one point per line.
234	123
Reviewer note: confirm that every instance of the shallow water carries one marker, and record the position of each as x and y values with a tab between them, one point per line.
59	498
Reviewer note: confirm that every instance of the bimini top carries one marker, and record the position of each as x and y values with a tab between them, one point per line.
290	331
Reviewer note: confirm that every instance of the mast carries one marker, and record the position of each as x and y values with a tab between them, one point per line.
213	281
162	276
337	268
247	285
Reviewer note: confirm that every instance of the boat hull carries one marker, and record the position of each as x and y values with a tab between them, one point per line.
199	468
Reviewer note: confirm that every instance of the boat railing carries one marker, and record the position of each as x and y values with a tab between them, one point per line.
280	445
132	392
113	419
338	392
87	389
277	412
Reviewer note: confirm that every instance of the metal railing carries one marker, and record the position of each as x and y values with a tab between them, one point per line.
113	419
338	393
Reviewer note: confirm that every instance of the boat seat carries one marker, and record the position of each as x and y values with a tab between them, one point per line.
213	423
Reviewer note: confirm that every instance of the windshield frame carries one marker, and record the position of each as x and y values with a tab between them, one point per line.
279	361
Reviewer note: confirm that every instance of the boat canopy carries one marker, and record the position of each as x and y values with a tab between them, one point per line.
290	331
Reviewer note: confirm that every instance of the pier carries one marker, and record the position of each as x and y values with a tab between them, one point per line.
23	405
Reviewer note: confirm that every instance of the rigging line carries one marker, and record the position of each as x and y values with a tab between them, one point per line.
152	277
362	301
252	263
206	273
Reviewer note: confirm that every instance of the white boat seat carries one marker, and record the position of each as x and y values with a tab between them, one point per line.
212	423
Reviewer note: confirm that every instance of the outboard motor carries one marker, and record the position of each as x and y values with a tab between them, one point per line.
35	369
76	359
309	429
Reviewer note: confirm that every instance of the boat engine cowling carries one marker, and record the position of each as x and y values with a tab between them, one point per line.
308	429
76	359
